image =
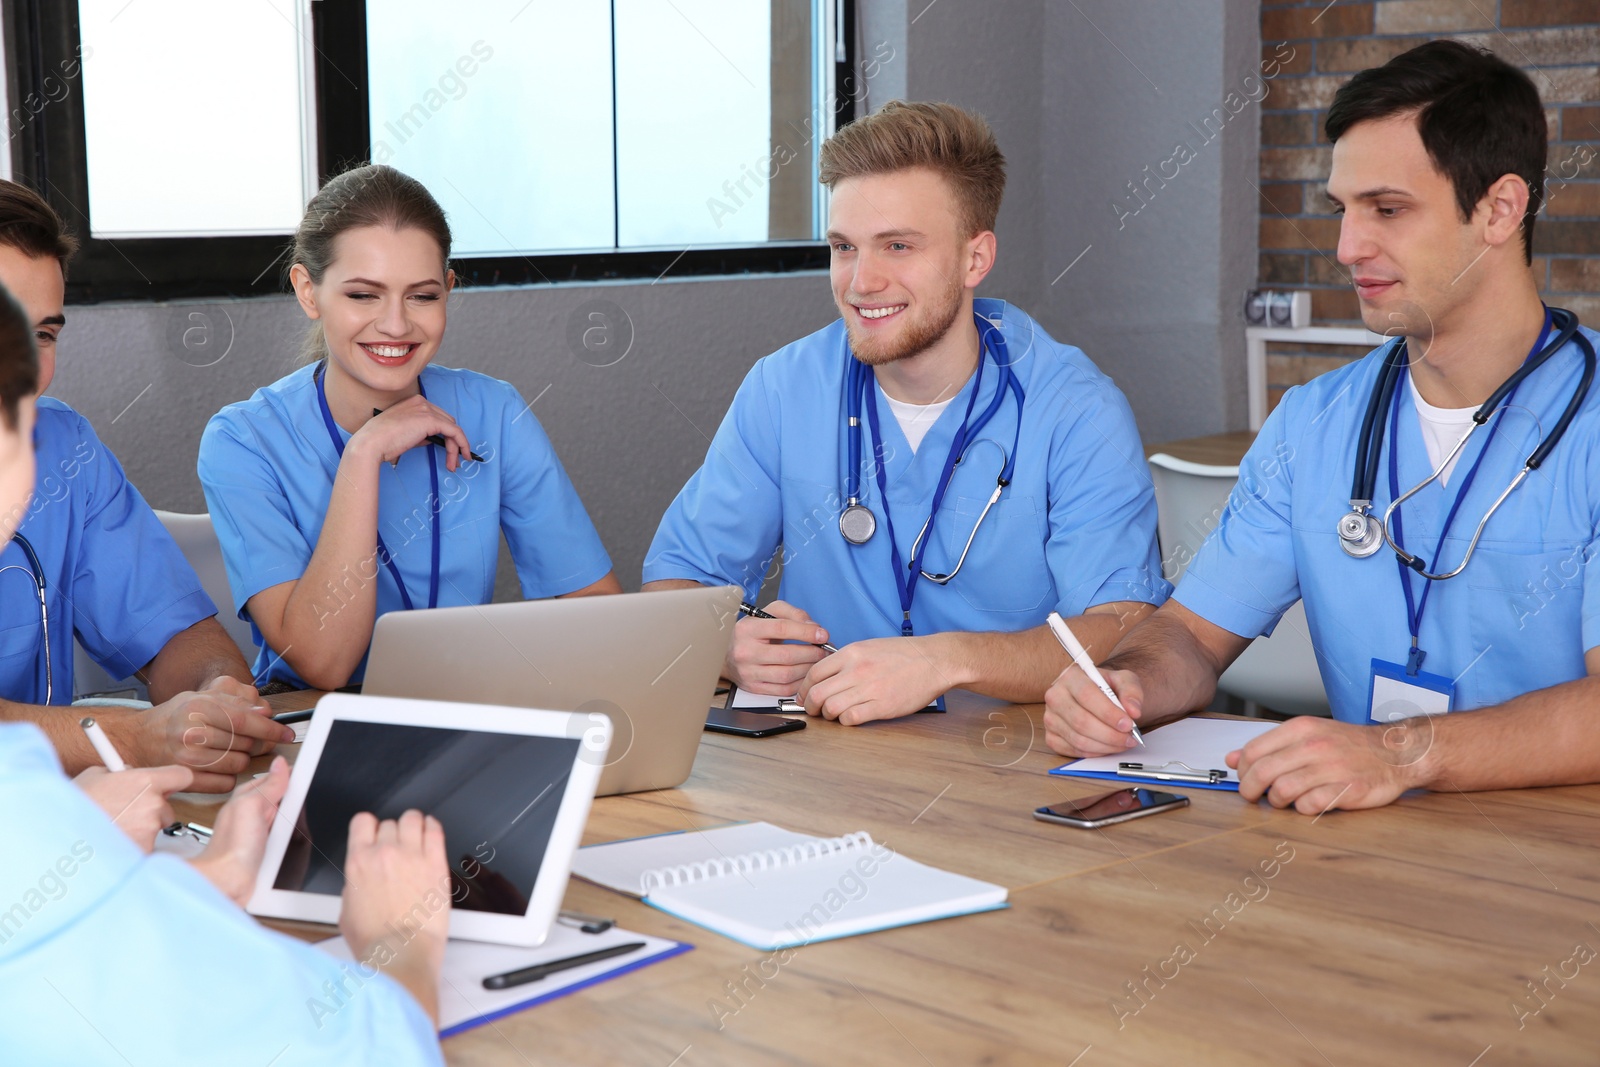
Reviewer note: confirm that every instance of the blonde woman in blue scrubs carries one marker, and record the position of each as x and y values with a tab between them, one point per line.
330	513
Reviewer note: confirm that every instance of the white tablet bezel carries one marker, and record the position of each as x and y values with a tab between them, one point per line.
592	731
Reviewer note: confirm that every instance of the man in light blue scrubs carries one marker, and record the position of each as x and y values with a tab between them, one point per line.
1013	473
113	577
111	956
108	955
1438	170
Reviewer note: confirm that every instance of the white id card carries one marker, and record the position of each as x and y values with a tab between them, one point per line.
1396	695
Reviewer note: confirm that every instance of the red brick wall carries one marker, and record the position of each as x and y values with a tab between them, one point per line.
1556	41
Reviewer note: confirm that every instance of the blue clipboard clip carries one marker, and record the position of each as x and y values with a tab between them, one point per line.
1156	771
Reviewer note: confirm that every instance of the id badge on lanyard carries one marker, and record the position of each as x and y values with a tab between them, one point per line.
1396	694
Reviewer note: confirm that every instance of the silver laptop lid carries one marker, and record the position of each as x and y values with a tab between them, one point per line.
648	660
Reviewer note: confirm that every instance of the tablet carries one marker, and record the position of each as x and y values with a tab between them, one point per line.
512	787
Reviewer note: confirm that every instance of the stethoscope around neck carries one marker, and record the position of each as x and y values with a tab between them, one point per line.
1361	534
36	572
857	522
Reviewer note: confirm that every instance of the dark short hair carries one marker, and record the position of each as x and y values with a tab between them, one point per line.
1479	117
19	359
29	224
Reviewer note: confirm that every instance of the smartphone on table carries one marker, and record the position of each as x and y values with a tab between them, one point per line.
749	723
1119	805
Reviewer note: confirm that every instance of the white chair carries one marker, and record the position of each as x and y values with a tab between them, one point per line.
197	539
1278	672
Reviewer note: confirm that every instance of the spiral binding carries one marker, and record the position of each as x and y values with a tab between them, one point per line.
764	860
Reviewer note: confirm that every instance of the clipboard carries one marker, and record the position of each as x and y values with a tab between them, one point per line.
739	700
1179	755
465	1004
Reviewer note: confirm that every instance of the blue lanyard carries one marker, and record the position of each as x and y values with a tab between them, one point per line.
433	476
1416	605
906	576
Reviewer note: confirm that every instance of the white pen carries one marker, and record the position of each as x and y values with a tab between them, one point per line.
102	744
1080	656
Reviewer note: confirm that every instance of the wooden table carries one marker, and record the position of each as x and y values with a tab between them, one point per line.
1403	935
1218	449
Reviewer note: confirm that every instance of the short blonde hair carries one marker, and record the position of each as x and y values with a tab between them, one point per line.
954	143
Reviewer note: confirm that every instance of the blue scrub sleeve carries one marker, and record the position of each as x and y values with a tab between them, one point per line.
1244	577
1591	564
110	956
1102	546
262	545
132	589
725	524
552	541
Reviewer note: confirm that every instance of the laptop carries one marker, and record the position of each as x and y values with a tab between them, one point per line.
648	661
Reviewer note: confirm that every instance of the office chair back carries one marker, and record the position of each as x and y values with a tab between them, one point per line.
197	539
1278	672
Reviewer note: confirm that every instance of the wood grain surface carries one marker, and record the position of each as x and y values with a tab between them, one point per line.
1450	929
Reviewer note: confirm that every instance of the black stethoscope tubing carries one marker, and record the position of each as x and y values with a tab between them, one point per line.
1369	445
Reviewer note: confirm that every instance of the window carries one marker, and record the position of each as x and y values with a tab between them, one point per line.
566	139
153	165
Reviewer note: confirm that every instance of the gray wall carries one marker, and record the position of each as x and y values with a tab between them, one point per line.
1155	300
1155	304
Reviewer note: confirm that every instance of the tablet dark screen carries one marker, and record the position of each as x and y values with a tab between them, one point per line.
496	794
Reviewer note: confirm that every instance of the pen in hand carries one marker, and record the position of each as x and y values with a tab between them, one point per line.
756	613
1080	656
103	746
438	439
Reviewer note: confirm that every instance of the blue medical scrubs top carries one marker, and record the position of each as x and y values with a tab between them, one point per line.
111	956
114	578
1521	615
268	464
1076	528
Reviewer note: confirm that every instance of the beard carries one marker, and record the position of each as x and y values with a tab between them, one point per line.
916	335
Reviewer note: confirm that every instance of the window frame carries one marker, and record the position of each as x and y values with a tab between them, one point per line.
49	154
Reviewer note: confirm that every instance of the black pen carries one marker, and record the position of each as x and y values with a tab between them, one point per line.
540	971
756	613
289	718
193	829
437	439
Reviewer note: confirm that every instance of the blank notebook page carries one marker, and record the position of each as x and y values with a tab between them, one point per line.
825	889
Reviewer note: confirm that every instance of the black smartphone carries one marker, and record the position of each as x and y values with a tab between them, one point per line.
1119	805
749	723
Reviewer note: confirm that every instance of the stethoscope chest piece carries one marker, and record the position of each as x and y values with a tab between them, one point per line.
857	524
1360	534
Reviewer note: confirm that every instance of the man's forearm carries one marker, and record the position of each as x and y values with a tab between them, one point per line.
1020	666
1175	671
191	659
61	726
1548	737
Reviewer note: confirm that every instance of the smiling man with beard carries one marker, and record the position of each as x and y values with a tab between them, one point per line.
1013	474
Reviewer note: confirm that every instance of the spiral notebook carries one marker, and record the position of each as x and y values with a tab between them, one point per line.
812	889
